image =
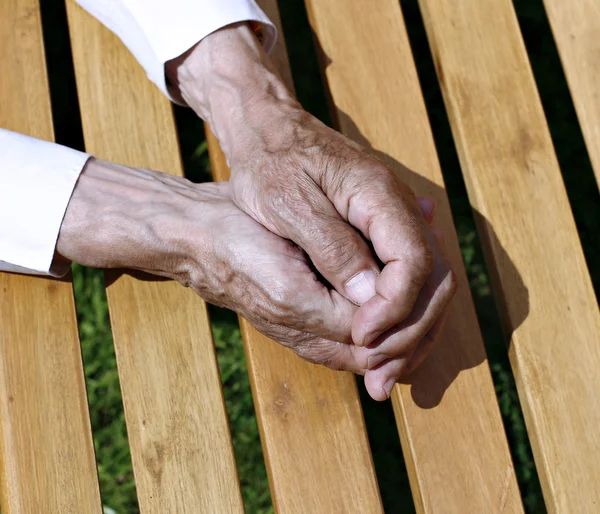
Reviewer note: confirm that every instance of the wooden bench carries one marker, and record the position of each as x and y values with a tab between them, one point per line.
310	419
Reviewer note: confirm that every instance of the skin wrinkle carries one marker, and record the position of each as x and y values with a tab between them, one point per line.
270	300
340	251
138	231
304	200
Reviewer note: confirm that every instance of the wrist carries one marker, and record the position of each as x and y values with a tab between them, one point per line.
120	217
229	81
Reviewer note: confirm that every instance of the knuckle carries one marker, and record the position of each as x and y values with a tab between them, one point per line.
382	176
363	360
288	307
384	181
375	183
422	258
380	194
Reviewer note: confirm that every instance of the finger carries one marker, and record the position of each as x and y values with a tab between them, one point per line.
328	315
380	381
425	347
427	206
318	350
388	215
297	300
432	300
431	305
421	353
331	354
281	289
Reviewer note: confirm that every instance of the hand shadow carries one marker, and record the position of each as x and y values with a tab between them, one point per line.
458	348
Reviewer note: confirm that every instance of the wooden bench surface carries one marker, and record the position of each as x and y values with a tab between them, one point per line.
45	435
310	418
542	285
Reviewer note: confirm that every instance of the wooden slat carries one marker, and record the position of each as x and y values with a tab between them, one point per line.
47	461
576	28
447	415
180	443
310	419
540	278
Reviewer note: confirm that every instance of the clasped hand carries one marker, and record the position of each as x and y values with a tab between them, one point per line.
316	242
293	260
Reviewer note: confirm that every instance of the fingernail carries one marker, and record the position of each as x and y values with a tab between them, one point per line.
374	360
369	338
361	288
387	388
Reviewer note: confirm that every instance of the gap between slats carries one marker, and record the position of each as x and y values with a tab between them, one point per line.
113	458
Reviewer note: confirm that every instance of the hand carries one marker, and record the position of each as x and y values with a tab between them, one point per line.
310	184
165	225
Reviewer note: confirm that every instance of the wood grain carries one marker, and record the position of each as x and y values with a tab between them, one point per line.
541	282
180	442
576	26
310	419
47	461
447	414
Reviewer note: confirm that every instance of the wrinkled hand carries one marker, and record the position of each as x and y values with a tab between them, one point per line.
307	183
142	219
310	184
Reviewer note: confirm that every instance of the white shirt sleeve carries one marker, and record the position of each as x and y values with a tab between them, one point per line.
156	31
37	178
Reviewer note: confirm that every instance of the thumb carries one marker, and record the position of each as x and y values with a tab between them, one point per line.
338	252
344	258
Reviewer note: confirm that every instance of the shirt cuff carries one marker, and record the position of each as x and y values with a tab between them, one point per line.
37	179
156	31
